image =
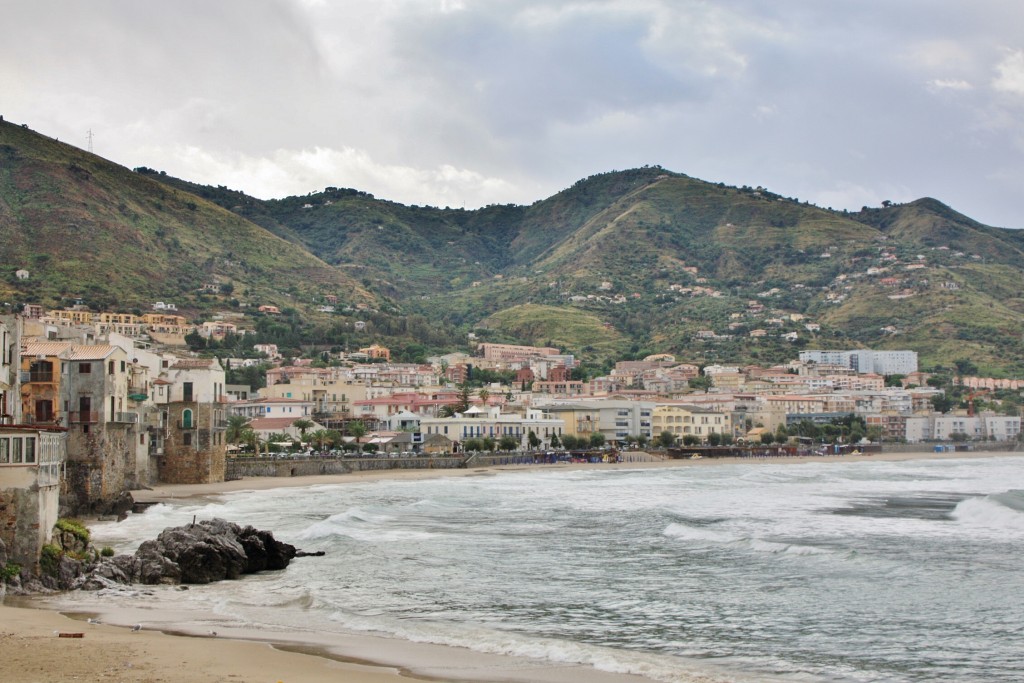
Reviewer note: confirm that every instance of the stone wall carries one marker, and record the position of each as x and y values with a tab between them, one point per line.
27	517
200	462
100	469
239	468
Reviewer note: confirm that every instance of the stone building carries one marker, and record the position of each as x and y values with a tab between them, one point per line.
193	409
30	462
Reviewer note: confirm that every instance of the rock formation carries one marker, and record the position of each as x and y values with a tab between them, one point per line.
212	550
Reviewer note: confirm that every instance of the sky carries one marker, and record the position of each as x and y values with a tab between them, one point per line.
464	103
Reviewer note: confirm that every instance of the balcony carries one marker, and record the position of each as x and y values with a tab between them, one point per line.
79	417
50	419
129	418
27	377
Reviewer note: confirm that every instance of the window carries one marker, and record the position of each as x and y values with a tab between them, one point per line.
44	411
186	439
110	367
186	389
16	452
5	451
85	368
30	449
186	419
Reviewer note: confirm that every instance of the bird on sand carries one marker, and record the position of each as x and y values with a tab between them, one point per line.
136	628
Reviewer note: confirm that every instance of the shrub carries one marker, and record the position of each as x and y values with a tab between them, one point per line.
107	551
9	571
74	527
49	559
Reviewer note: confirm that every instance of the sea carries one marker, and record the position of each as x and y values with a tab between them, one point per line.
851	571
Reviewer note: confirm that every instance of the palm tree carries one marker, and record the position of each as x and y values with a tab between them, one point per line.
357	430
320	438
250	438
236	425
302	424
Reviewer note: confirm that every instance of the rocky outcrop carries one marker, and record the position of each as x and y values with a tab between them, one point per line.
212	550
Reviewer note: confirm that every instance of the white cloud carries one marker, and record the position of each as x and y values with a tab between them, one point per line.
297	172
492	101
1010	73
939	84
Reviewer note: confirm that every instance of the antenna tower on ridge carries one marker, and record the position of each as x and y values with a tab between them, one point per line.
90	140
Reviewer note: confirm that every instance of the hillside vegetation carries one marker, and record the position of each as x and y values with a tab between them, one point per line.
88	229
619	265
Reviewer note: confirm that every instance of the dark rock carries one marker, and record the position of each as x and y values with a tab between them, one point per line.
303	553
211	550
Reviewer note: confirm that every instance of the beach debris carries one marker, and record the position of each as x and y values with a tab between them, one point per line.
93	621
65	634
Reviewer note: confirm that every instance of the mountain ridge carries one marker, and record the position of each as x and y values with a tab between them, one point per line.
658	260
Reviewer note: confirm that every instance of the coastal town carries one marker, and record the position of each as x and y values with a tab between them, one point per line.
97	404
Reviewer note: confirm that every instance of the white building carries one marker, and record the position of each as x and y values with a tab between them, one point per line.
478	423
866	360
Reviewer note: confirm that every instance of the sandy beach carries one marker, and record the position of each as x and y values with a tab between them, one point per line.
171	492
166	651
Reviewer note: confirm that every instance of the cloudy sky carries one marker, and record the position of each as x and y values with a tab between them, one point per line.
469	102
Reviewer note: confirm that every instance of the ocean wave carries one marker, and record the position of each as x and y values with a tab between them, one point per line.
649	665
360	524
997	512
704	537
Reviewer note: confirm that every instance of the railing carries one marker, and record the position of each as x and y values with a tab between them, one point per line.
83	417
131	418
51	419
27	376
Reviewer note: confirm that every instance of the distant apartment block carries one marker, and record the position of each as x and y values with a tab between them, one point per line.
866	360
510	352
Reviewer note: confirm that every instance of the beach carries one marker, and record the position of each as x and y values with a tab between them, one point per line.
32	651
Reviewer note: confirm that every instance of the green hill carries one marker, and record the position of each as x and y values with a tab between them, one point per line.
86	228
619	265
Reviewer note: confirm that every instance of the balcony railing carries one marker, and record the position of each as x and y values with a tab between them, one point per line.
131	418
78	417
41	419
27	377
